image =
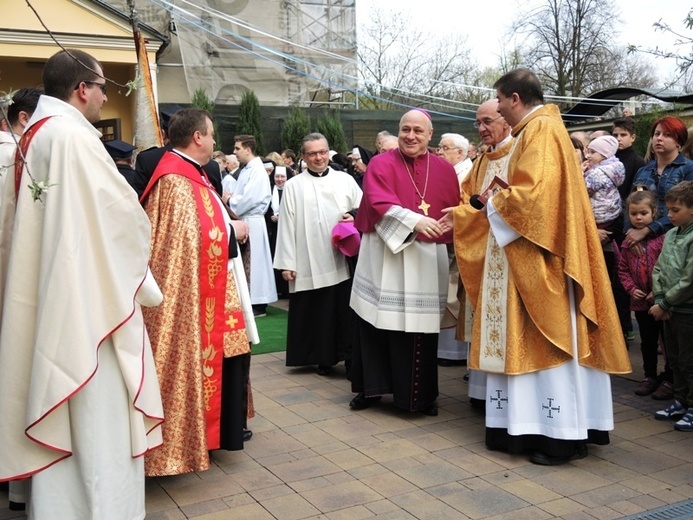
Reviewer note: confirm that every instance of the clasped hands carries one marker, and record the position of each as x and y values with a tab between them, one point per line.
432	228
241	229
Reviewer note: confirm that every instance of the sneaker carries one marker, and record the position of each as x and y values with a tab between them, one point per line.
664	392
646	386
674	411
685	424
630	335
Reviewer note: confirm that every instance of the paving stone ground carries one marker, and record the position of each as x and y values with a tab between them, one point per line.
311	457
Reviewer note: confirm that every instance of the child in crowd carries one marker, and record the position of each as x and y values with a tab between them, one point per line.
672	285
603	174
635	274
624	131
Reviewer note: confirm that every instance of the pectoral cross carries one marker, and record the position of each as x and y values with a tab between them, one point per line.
424	207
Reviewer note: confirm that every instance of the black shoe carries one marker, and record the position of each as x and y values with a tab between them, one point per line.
17	506
324	370
477	403
259	311
432	410
361	402
452	362
537	457
247	434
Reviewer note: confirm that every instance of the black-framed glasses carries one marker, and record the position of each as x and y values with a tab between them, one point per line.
485	122
102	86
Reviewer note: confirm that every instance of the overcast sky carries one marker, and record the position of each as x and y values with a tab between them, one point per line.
485	22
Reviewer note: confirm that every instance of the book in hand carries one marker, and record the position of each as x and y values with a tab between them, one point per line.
496	184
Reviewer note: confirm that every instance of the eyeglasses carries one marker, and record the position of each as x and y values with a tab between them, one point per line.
102	86
315	154
447	148
485	122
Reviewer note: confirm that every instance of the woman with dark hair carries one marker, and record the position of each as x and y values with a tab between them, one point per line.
668	168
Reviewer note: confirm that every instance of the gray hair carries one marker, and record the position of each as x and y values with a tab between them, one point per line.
315	136
459	141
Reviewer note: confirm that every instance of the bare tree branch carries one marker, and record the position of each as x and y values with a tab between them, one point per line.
570	46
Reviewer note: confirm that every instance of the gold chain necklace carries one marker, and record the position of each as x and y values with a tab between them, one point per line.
423	206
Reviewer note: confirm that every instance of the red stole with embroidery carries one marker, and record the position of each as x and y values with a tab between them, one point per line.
213	272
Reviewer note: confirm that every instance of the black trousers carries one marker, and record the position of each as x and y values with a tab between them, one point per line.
403	364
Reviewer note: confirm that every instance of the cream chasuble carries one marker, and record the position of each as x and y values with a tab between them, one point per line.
79	397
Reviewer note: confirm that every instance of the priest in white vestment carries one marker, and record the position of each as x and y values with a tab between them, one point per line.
451	351
320	326
79	397
23	105
250	199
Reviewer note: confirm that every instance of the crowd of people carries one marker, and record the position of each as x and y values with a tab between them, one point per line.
130	287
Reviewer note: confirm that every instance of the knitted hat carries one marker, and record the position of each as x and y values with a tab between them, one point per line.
605	145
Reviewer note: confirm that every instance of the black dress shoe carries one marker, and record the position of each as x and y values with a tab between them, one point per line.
247	434
452	362
477	403
324	370
361	402
431	410
537	457
17	506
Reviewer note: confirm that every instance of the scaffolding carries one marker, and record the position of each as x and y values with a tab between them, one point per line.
289	52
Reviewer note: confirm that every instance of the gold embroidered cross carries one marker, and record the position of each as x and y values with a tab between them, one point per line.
231	322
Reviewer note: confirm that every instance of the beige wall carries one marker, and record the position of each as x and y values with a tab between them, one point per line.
15	74
25	46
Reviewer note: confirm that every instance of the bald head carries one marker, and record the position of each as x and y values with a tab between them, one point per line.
415	132
493	129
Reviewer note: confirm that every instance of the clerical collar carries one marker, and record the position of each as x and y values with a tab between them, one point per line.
502	143
315	174
186	157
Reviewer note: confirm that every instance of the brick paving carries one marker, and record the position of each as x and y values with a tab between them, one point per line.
311	457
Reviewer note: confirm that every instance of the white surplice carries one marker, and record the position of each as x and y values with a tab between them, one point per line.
250	200
400	283
79	396
310	208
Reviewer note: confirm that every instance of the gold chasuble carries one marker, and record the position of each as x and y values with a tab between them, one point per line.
529	306
201	319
